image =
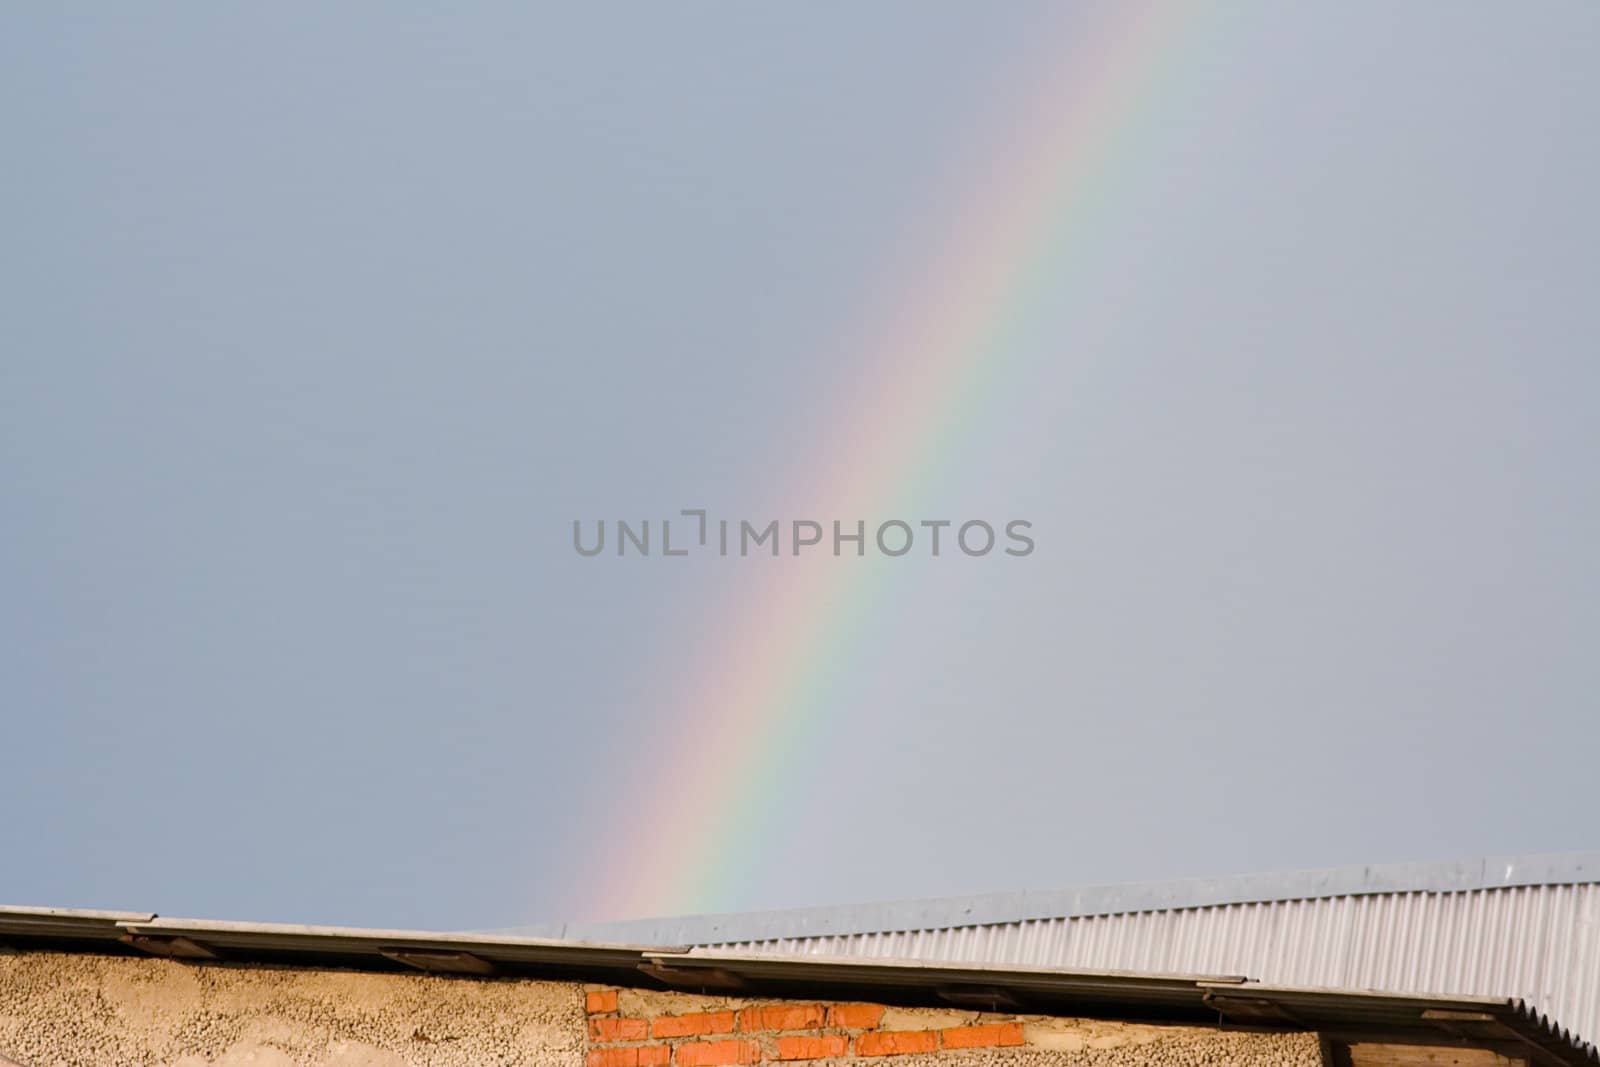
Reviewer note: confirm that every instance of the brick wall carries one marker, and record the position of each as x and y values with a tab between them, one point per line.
642	1033
645	1028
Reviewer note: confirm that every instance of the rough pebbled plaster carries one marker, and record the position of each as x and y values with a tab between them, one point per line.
58	1009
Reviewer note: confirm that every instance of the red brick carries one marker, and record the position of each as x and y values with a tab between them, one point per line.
781	1017
709	1022
897	1042
715	1053
631	1056
854	1016
601	1001
812	1048
606	1029
982	1036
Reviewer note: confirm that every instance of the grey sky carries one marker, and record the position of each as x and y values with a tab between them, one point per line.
320	325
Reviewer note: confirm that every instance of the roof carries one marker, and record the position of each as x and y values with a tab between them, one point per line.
1526	927
1491	872
1509	1025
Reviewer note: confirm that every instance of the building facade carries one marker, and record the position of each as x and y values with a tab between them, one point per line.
141	990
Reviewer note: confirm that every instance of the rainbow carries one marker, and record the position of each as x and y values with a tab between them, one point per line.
764	695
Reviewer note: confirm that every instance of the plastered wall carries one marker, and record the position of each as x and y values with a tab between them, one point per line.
58	1009
107	1010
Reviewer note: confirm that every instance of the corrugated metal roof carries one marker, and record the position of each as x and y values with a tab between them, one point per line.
1494	872
1540	943
1514	926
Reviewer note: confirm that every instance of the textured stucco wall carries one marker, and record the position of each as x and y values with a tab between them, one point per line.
133	1012
105	1010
